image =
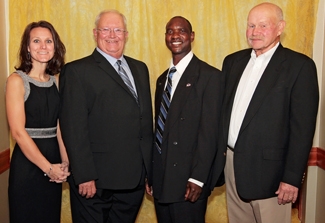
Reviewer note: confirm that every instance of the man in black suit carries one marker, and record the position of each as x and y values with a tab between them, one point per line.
268	121
106	124
186	140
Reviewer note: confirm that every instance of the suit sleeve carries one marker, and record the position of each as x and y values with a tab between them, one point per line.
74	124
303	112
208	129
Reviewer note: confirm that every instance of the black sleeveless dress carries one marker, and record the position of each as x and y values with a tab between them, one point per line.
32	198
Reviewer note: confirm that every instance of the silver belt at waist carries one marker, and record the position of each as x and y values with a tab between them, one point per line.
41	133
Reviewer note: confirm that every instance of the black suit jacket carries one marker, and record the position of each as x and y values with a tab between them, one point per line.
107	135
276	135
190	137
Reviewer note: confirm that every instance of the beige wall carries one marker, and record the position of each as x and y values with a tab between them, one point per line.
315	181
319	58
315	196
4	135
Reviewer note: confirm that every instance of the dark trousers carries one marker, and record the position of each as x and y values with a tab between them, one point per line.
107	206
181	212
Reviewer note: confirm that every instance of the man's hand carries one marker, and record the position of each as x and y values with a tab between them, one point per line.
87	189
287	193
193	192
148	189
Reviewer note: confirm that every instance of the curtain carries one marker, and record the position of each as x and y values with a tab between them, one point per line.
219	27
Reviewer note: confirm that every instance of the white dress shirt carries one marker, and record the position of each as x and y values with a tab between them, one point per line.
245	90
180	68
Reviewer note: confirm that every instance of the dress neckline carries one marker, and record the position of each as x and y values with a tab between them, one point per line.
48	83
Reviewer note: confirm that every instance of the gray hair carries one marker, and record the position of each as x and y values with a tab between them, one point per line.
110	11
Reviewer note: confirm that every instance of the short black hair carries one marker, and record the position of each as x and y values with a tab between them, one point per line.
181	17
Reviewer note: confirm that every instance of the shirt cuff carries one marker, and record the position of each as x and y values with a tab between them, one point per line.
196	182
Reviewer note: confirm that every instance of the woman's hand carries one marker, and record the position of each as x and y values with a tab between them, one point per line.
59	172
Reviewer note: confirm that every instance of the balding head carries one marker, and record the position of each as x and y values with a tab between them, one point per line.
271	8
265	24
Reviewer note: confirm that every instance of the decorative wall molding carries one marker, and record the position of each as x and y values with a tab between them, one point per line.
317	157
4	160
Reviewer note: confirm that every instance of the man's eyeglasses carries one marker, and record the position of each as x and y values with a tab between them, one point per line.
117	31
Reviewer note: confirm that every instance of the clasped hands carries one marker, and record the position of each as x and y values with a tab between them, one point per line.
59	172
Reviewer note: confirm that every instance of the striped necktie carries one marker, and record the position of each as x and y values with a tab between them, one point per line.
126	80
164	106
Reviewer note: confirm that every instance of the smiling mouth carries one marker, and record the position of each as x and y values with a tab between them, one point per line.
176	43
111	41
255	38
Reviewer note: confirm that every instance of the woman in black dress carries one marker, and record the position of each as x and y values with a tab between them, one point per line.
39	162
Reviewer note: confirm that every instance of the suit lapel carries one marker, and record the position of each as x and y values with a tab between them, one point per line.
110	70
159	91
107	68
266	83
136	78
184	87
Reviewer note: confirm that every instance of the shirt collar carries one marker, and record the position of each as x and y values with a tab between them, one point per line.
110	59
267	55
182	64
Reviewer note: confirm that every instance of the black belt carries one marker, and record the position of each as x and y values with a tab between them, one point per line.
232	149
